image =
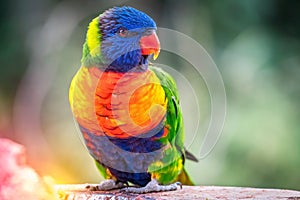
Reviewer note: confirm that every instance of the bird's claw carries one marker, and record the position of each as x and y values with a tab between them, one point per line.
106	185
179	184
152	186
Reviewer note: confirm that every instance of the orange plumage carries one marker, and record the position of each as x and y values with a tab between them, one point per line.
121	105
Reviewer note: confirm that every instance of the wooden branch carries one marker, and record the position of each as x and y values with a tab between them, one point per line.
76	192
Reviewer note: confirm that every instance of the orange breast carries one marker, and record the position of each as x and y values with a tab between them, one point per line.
121	105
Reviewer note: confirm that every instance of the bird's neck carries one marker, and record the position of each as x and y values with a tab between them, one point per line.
91	58
130	62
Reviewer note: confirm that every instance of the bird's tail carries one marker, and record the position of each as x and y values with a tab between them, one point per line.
184	178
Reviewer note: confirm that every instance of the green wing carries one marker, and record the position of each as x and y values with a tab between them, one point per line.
174	121
170	168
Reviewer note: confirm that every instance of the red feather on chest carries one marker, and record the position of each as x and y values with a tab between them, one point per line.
119	104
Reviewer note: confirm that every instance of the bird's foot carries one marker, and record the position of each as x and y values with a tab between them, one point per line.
106	185
153	186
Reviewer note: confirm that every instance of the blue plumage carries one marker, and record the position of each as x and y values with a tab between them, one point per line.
122	53
124	17
119	158
136	178
143	144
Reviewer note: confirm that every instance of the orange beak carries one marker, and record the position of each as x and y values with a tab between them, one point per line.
150	45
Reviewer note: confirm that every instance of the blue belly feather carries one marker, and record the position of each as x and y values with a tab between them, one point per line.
127	159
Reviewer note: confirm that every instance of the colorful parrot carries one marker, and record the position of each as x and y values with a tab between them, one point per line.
127	109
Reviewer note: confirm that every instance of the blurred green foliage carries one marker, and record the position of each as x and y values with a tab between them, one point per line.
256	46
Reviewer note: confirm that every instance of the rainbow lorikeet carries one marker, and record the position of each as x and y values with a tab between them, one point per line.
127	109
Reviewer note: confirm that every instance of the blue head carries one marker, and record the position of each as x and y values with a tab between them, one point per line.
123	38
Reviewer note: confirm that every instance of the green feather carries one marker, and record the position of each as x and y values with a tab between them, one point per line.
170	168
174	116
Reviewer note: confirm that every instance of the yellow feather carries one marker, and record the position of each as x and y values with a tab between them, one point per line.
93	37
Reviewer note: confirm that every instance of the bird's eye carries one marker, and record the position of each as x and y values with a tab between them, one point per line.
123	32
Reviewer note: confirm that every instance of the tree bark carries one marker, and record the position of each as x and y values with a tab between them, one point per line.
76	192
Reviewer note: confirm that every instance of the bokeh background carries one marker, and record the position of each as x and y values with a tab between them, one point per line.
255	44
